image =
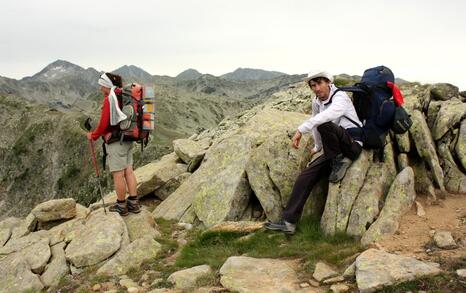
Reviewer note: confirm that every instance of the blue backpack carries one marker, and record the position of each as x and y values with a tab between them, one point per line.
374	107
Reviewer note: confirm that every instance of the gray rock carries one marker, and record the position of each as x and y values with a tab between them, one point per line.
334	280
36	255
350	272
263	275
402	161
339	288
400	198
100	238
420	210
141	225
461	273
26	226
81	211
460	147
18	244
450	114
190	152
55	209
16	276
402	140
271	171
376	185
425	146
443	91
187	278
423	179
152	176
10	222
341	196
132	256
66	231
57	268
454	178
444	240
434	107
171	185
323	272
376	269
5	234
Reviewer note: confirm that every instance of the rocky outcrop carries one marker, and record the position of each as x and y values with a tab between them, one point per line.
460	147
57	268
101	238
16	276
376	269
141	225
400	198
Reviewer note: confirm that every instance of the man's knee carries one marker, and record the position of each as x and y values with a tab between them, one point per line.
326	127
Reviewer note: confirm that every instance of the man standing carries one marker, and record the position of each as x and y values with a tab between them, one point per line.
332	114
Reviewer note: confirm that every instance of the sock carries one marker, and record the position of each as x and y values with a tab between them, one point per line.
134	197
121	201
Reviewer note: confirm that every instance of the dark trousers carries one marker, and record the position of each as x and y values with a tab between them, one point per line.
335	140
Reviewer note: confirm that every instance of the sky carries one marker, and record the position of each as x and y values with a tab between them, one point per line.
421	41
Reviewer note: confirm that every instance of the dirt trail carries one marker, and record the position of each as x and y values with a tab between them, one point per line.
414	237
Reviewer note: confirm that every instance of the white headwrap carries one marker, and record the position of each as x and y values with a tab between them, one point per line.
116	116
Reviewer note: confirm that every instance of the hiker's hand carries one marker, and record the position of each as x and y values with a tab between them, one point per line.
313	151
296	139
89	135
107	137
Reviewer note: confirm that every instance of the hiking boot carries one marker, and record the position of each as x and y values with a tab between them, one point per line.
133	205
282	225
120	208
339	166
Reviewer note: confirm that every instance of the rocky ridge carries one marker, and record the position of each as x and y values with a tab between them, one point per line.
246	173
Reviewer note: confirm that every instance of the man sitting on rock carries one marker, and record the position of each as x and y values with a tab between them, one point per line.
332	112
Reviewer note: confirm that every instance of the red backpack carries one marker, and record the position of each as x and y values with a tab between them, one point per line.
137	103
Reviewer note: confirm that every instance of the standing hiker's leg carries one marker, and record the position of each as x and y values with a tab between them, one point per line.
131	181
120	184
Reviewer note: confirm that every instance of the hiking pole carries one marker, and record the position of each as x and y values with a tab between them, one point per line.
87	125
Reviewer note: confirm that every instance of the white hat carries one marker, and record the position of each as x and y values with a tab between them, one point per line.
319	73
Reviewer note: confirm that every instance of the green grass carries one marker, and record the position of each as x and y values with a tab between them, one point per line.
308	244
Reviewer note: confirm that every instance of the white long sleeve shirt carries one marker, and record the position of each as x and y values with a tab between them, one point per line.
324	111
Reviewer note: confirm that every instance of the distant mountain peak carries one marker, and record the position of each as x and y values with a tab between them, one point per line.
188	74
133	73
251	74
56	70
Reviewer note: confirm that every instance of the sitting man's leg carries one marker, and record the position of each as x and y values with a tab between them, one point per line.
301	190
339	147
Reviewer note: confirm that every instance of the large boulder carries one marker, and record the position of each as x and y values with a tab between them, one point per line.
18	244
425	146
171	185
263	275
190	152
432	112
57	268
272	170
55	209
460	147
218	186
423	179
376	269
450	114
101	238
400	198
36	255
16	276
132	256
154	175
66	231
341	196
403	142
443	91
376	185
